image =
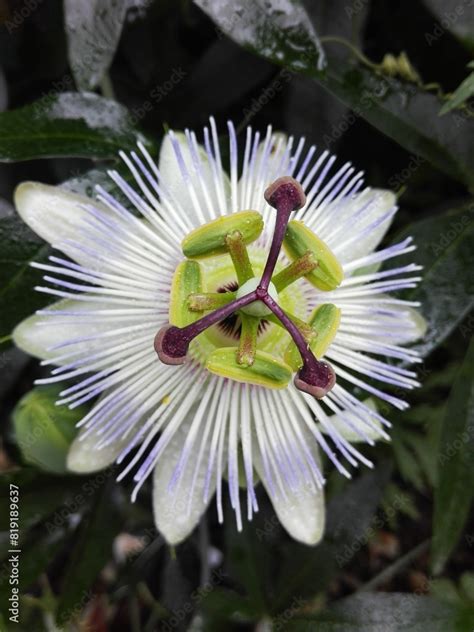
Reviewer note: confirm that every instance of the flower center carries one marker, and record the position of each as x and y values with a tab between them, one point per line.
210	310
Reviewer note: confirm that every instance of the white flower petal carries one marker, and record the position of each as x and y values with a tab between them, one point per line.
360	234
416	324
38	334
350	434
186	173
84	457
176	513
56	215
302	513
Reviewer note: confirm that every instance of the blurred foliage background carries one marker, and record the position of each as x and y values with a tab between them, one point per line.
386	84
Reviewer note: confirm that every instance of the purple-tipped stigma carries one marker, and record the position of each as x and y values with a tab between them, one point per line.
285	194
317	380
171	346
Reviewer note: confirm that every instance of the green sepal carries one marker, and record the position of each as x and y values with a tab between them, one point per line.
210	239
265	370
187	280
298	241
324	321
44	431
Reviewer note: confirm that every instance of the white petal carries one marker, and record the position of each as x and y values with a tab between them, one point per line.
411	324
349	433
56	215
303	516
181	180
417	324
37	334
84	457
176	513
358	238
302	513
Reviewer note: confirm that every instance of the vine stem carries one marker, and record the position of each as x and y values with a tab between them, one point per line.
396	567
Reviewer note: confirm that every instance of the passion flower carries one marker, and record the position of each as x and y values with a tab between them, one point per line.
207	318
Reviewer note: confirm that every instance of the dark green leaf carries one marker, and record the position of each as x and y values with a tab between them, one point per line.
44	431
445	248
273	569
401	110
40	496
92	549
93	30
19	246
37	553
265	28
455	490
377	612
462	93
67	124
350	514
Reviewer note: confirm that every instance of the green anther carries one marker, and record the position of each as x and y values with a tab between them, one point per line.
297	269
265	370
210	240
210	300
325	322
298	241
248	340
306	330
186	280
240	257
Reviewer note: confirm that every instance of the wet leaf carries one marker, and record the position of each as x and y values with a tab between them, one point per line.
93	29
462	93
67	124
19	246
403	111
455	490
92	548
374	612
271	28
446	292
